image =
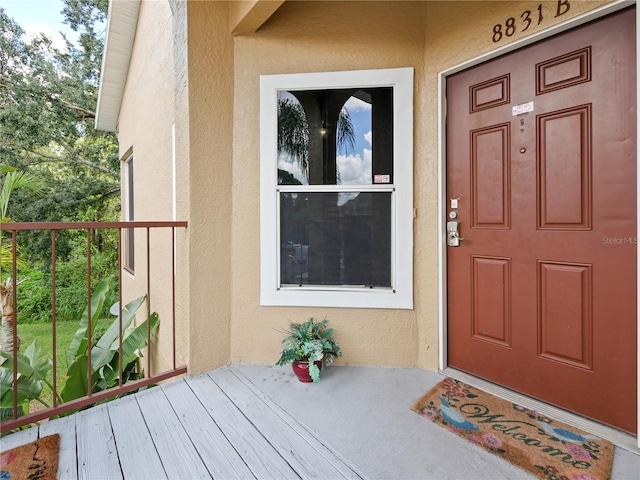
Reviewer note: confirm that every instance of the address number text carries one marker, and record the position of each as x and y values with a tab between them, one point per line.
512	25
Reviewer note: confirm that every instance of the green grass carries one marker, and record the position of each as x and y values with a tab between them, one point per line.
41	333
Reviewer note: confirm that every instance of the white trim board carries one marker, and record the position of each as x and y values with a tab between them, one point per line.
442	204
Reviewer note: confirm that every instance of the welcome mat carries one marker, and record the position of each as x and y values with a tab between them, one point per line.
35	460
548	449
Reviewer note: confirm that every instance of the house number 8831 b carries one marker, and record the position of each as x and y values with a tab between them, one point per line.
526	19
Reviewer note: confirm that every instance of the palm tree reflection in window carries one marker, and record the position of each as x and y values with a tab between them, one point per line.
293	139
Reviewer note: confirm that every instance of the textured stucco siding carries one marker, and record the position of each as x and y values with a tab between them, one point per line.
331	36
187	68
210	80
312	37
145	125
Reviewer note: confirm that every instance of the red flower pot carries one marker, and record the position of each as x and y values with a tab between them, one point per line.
301	369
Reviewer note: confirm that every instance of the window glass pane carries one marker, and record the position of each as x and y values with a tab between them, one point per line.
337	238
335	136
293	141
354	143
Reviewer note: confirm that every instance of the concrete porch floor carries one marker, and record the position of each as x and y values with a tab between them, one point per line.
258	421
364	414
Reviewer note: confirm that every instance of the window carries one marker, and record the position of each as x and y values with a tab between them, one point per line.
129	256
336	189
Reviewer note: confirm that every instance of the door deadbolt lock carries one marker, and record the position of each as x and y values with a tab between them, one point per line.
453	234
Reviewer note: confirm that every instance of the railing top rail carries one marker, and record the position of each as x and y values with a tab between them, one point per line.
18	226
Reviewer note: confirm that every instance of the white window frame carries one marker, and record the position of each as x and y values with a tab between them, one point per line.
400	295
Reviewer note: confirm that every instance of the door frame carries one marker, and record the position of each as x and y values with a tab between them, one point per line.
442	201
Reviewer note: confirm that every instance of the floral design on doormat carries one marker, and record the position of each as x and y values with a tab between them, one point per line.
547	448
35	460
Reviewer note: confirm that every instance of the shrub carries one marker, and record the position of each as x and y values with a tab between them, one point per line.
34	293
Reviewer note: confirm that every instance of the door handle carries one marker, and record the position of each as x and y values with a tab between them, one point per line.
453	234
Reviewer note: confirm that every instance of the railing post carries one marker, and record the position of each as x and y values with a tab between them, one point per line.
120	306
54	318
173	292
14	301
89	314
148	301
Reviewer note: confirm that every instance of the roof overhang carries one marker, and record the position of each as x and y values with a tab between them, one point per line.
122	20
244	17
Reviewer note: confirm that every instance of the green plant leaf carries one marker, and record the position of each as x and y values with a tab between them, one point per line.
28	365
28	388
309	341
6	413
41	366
102	353
14	180
314	372
79	343
135	340
6	254
76	385
106	377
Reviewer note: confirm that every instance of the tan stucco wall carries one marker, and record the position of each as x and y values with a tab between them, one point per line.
145	124
187	68
210	86
309	37
329	36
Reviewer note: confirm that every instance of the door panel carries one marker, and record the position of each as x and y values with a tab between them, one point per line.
490	190
564	183
492	300
541	158
565	320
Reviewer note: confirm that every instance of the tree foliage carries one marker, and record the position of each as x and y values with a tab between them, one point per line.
13	181
48	98
47	111
293	133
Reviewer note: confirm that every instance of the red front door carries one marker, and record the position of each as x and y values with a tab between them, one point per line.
541	171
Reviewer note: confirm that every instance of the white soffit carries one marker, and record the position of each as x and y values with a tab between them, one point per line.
121	30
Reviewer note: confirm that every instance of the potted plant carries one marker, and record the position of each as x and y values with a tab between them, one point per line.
307	346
